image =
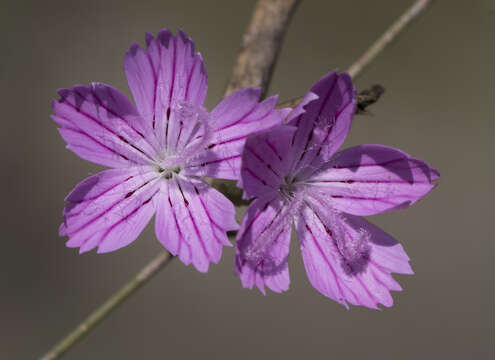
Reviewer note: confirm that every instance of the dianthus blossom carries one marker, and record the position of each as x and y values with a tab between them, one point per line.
297	177
158	151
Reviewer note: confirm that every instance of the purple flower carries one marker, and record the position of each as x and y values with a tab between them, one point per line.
297	177
158	149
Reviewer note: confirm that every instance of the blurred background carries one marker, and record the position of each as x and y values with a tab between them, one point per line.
438	106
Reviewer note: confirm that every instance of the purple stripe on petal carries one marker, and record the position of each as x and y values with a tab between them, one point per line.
349	259
262	246
232	120
370	179
164	77
100	117
128	228
266	160
89	148
192	221
324	125
110	209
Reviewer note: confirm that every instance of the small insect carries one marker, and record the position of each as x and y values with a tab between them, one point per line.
368	97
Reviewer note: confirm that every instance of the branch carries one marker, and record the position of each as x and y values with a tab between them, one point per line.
388	36
365	98
379	45
151	269
261	45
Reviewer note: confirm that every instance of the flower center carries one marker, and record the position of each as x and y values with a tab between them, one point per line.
167	173
288	188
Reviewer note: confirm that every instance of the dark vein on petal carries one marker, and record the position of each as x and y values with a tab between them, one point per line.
310	134
352	181
125	121
173	40
255	176
216	161
261	160
106	211
375	277
334	243
155	76
181	236
79	111
191	217
368	292
329	265
117	115
243	117
95	197
248	227
189	77
212	222
362	198
81	132
382	164
273	148
127	217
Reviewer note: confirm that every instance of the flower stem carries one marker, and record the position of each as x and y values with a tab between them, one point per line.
380	44
143	276
261	44
389	35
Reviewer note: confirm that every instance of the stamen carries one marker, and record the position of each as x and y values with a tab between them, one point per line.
168	173
355	253
288	188
281	222
352	245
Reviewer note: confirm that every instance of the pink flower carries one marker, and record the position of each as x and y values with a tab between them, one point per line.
297	177
157	150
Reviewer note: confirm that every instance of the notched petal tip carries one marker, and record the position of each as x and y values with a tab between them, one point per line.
329	241
109	210
134	49
192	221
262	247
148	37
262	289
163	37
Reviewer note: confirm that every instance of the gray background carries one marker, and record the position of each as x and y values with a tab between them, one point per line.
438	107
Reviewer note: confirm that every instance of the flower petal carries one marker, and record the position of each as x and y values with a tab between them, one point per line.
370	179
301	106
266	159
110	209
348	259
192	221
323	126
164	77
262	246
231	122
100	125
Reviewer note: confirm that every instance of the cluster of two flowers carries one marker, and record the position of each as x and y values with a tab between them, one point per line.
284	159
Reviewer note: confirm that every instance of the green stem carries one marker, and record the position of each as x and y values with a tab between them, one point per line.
390	34
143	276
380	44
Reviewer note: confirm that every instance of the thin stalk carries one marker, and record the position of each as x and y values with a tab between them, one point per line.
390	34
141	278
380	44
